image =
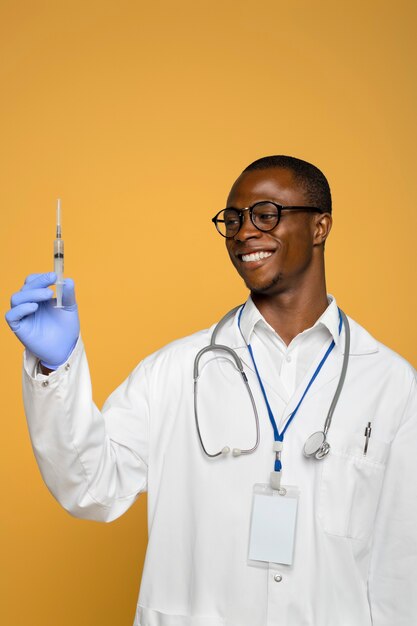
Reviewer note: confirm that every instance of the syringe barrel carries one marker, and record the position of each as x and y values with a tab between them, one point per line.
59	258
59	269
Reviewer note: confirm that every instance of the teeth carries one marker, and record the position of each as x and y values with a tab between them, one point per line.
255	256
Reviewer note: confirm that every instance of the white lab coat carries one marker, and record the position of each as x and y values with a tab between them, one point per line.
355	561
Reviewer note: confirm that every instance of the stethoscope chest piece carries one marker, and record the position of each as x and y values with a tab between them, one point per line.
316	446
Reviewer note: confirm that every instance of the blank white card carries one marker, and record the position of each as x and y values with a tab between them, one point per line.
273	528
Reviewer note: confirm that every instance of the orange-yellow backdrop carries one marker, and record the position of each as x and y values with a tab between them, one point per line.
139	115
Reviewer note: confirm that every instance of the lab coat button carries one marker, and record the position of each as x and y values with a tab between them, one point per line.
45	383
67	366
288	358
277	578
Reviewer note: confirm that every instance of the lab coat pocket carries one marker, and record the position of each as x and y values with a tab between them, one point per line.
351	484
150	617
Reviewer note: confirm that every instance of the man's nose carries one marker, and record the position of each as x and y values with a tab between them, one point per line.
248	229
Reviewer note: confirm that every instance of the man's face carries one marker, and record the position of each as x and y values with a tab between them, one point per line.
289	247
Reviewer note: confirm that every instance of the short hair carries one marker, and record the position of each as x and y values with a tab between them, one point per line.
311	179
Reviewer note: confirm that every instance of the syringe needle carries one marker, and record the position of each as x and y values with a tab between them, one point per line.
58	217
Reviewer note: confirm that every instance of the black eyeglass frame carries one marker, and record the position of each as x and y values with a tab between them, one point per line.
279	207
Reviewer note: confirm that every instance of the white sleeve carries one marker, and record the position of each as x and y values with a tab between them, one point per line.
94	463
393	569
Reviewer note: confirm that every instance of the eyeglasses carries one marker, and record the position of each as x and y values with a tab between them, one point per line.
265	216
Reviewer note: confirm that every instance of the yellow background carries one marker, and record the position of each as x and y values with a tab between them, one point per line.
140	115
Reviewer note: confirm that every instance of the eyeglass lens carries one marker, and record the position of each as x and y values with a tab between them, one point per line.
265	216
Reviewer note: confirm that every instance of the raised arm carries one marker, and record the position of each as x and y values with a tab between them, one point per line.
94	463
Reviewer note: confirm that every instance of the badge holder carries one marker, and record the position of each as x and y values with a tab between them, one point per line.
273	523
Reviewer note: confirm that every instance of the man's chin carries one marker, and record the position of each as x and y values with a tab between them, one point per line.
266	288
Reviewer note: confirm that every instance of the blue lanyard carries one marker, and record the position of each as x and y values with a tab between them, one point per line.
277	435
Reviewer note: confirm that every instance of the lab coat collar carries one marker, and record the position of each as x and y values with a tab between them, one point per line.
361	342
251	317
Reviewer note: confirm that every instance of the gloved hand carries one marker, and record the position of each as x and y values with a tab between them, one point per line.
49	333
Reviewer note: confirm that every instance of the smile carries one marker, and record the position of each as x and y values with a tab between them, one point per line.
255	256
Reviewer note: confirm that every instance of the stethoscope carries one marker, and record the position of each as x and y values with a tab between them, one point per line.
316	446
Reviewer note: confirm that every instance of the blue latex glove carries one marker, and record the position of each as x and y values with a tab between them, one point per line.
49	333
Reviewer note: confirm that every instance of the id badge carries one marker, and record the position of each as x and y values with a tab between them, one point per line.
273	524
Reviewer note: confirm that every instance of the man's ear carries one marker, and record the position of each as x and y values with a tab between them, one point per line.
322	227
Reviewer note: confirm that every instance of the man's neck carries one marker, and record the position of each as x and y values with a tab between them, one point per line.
289	313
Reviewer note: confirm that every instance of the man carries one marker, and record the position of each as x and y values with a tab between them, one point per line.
354	561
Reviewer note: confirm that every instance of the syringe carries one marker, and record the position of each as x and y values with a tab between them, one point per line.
59	257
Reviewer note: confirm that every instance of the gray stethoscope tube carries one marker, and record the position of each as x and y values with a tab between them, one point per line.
316	445
216	346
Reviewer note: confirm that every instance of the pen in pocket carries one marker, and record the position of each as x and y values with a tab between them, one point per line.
368	431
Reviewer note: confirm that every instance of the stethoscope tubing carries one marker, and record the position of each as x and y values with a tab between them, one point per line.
215	346
341	382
